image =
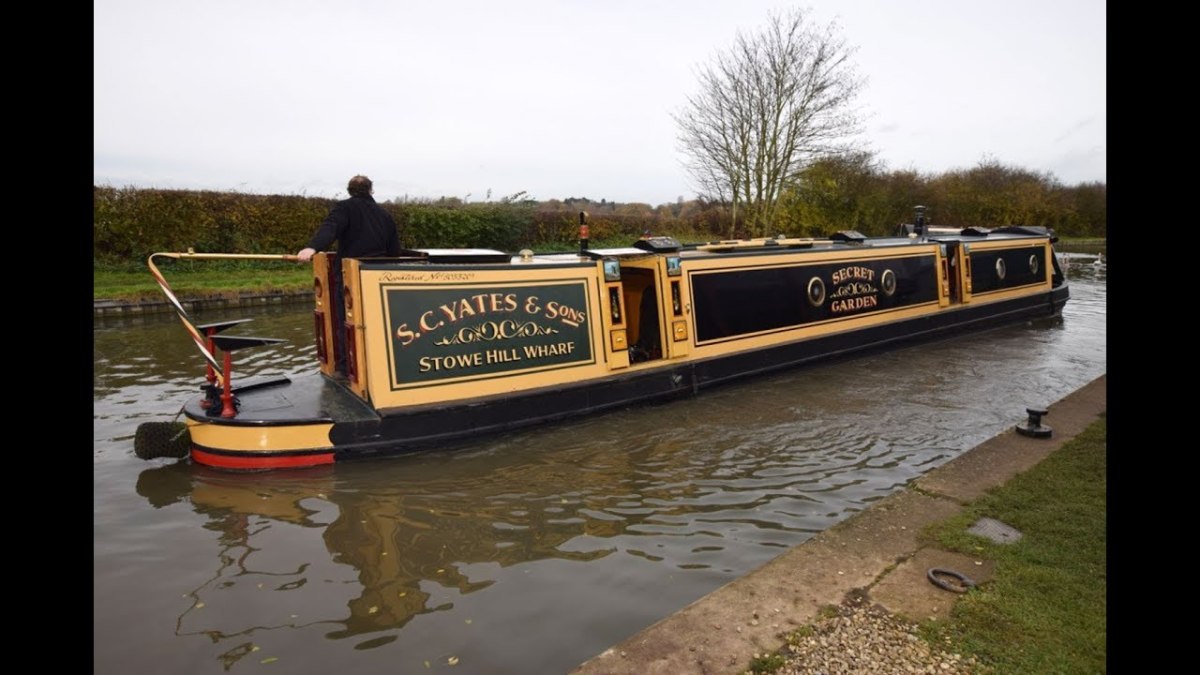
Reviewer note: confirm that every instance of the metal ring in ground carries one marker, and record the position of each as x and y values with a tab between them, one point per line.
935	574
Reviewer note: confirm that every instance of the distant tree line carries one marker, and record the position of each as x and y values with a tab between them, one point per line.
847	192
854	192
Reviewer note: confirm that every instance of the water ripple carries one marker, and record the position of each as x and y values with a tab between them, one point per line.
583	531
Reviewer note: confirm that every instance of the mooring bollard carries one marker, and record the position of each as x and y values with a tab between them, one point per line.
1033	426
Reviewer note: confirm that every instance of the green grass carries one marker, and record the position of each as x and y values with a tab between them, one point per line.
1081	245
767	664
199	279
204	278
1045	609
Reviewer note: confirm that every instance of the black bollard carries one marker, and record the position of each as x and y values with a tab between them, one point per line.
1033	426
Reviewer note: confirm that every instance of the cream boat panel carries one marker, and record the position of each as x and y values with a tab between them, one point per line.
448	335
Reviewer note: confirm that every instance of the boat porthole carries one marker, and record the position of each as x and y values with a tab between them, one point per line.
1001	270
1033	264
816	291
888	282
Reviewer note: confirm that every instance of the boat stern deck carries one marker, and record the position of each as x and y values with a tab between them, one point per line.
280	422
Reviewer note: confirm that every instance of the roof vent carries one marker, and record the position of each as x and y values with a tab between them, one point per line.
848	236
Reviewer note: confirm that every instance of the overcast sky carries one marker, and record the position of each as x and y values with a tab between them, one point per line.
557	98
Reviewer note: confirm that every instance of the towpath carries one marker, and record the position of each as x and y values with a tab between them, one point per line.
872	565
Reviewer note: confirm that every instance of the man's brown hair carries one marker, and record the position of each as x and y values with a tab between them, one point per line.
360	186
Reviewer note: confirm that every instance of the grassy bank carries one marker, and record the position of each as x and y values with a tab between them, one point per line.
1045	611
1045	608
1081	245
198	279
132	282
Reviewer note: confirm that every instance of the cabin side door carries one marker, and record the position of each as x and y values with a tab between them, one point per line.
326	310
955	274
962	275
656	297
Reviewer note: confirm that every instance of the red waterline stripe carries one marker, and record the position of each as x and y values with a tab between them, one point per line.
260	461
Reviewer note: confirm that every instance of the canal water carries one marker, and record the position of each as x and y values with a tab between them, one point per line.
528	553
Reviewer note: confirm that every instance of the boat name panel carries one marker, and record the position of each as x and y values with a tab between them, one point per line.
484	331
747	301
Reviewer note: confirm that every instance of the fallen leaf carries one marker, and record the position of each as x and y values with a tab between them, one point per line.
467	621
453	660
199	605
372	610
270	659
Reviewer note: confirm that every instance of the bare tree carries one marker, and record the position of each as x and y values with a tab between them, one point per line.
768	106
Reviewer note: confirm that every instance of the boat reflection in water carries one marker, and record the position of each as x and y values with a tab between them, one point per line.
407	554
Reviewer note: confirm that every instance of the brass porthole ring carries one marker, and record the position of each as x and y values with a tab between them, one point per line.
1033	264
1001	269
816	291
888	282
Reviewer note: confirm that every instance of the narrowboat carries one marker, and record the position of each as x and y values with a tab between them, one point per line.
438	345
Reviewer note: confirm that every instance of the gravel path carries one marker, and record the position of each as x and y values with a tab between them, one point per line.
865	639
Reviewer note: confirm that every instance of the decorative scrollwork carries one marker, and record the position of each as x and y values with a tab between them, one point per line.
492	331
852	289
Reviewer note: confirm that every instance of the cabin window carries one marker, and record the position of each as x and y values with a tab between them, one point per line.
887	282
816	291
612	270
614	303
676	300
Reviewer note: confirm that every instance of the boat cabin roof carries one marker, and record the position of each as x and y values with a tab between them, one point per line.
765	245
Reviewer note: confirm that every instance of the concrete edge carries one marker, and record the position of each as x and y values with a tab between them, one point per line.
724	630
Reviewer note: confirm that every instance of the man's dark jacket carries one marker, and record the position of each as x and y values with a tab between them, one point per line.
360	227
